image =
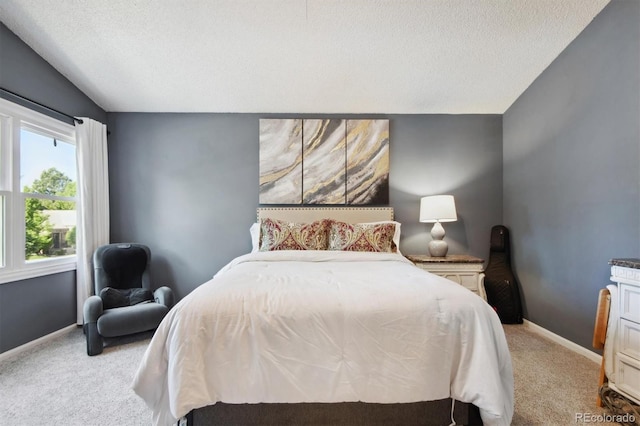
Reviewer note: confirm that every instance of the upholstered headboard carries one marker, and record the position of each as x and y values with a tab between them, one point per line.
343	214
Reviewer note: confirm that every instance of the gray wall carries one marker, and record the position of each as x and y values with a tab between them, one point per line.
187	184
24	72
572	173
32	308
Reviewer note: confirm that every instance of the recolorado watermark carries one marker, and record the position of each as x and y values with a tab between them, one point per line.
605	418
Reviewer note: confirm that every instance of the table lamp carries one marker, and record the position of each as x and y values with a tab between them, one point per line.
436	209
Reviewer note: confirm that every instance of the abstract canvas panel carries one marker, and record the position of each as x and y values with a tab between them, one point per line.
280	161
367	162
324	161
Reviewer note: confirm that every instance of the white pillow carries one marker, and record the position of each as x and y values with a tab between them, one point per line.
255	237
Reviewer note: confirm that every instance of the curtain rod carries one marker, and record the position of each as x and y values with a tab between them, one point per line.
79	120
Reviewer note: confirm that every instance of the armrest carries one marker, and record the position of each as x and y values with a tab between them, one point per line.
92	309
164	296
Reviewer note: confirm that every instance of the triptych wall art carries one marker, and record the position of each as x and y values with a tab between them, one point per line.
324	161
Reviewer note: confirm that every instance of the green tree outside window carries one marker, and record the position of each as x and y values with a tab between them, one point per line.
38	235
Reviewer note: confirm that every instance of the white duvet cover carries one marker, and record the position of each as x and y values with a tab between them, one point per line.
324	326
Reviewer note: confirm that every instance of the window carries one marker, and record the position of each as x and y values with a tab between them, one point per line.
38	182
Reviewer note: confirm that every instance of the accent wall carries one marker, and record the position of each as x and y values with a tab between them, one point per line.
187	185
572	173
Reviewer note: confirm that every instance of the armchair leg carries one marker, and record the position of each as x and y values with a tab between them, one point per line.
95	343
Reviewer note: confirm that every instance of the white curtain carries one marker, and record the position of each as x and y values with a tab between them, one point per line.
93	192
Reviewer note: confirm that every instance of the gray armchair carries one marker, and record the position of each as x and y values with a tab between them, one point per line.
124	302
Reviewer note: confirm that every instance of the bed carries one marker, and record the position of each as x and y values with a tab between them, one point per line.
317	336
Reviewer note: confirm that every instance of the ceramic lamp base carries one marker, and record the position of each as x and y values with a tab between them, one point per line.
438	247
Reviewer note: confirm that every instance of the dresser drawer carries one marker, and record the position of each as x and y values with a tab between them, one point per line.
626	273
628	377
630	338
630	302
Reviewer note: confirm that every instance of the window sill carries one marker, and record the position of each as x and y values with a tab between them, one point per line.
35	270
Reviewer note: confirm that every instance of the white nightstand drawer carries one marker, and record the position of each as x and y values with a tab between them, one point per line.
461	269
469	281
630	339
628	378
630	302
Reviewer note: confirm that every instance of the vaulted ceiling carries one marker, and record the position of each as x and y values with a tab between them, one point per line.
300	56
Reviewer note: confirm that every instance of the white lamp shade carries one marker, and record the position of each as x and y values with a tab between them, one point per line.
438	208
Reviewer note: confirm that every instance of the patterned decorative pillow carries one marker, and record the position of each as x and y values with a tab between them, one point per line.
375	237
278	235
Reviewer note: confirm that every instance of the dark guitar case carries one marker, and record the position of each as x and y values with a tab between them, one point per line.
499	281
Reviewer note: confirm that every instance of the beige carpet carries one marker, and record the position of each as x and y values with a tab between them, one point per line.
56	383
552	384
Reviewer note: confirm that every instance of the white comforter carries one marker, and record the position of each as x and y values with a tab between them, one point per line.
323	326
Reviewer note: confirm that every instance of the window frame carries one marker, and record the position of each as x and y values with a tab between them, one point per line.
13	118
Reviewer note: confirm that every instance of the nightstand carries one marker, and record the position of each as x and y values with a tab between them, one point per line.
460	268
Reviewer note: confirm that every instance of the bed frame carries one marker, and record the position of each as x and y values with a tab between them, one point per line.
428	413
344	214
431	413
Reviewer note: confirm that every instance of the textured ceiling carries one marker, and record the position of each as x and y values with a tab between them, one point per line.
296	56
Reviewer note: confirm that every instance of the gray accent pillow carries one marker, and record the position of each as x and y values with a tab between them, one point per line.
115	298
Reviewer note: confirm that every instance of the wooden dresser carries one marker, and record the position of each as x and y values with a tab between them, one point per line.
626	274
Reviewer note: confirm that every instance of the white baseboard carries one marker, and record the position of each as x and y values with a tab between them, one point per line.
15	351
563	342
